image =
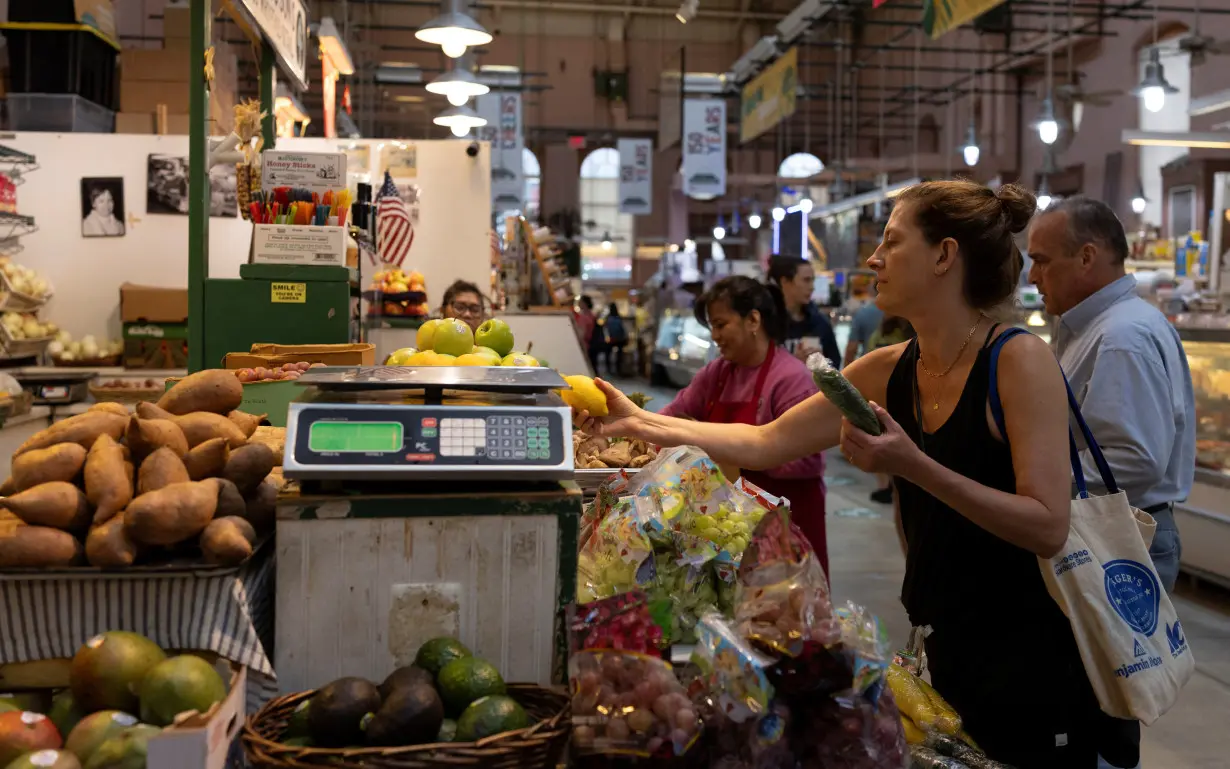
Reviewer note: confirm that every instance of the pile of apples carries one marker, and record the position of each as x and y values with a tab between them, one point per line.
450	342
395	281
24	280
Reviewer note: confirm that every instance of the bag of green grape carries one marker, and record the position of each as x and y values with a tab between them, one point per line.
609	559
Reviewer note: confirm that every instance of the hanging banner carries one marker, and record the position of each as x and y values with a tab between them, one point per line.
704	147
506	135
635	176
770	97
284	23
940	16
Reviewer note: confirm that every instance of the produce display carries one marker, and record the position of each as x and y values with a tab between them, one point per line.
123	690
842	394
393	286
451	342
24	280
131	384
282	373
65	349
447	695
24	325
601	453
113	489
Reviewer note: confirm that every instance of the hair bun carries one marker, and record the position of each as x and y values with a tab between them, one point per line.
1018	205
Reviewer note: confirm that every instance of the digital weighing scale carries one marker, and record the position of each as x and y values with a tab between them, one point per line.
388	423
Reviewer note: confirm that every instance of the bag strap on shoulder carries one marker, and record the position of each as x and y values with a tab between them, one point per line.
997	413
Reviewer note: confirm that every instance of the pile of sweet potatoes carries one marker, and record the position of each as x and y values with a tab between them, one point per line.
114	488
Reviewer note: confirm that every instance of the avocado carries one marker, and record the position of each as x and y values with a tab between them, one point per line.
491	715
438	652
448	731
465	680
410	716
336	713
411	674
297	724
299	742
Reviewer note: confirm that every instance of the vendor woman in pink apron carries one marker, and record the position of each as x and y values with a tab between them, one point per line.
753	382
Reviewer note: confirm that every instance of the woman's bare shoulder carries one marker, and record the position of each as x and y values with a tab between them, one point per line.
870	373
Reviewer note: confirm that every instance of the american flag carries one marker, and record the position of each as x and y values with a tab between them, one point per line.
394	230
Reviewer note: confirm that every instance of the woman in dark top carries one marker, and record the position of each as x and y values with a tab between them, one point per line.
807	328
978	510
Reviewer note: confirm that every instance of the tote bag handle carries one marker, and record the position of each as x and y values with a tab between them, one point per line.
997	413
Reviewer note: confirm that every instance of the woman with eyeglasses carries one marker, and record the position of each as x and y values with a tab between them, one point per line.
464	301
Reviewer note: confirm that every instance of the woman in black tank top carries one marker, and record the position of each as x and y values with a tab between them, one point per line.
976	515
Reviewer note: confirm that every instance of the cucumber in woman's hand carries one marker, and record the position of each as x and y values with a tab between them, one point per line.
842	394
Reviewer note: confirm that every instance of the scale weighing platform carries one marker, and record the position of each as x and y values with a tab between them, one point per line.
389	423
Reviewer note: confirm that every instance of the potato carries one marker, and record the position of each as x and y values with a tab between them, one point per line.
145	436
249	465
82	429
161	469
261	509
109	547
61	462
147	410
202	426
273	437
246	422
230	501
227	541
25	546
9	487
58	504
206	460
171	514
108	478
214	390
111	408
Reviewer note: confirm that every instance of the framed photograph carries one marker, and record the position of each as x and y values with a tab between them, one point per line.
167	188
102	207
224	192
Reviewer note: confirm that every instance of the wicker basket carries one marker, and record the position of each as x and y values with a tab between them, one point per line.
538	747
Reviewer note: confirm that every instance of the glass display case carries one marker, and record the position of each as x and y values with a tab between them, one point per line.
1204	518
682	348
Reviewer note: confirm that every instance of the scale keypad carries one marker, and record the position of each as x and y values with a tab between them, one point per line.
461	437
516	437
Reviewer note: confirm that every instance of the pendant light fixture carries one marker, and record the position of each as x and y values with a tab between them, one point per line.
458	84
719	229
1139	201
1044	195
1154	86
753	219
1047	125
460	120
970	151
454	29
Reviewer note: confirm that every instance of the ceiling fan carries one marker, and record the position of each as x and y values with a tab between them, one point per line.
1072	94
1200	46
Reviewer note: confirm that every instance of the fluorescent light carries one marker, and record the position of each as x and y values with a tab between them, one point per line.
864	199
753	221
399	74
332	46
1205	105
408	99
454	30
1204	139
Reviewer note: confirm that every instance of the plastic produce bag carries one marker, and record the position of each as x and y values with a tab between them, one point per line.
842	394
731	672
761	743
612	556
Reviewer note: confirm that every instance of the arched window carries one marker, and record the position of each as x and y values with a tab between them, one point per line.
606	247
1177	67
800	165
532	173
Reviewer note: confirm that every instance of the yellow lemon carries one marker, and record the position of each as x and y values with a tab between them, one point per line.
399	357
427	333
473	359
424	358
444	359
584	396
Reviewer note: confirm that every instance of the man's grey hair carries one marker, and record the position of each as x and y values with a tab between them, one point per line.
1092	221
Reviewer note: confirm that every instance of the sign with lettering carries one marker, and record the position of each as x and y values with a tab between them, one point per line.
704	147
770	97
284	23
505	133
635	176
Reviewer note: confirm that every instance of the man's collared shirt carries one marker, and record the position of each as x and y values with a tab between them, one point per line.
1129	373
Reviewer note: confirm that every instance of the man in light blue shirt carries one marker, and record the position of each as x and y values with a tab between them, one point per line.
1124	361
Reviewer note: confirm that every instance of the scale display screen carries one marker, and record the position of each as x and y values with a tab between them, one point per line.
355	437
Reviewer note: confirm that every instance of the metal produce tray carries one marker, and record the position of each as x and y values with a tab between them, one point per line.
506	379
590	480
178	566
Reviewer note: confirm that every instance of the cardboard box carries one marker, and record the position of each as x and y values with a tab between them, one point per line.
176	24
271	355
169	64
306	245
203	741
134	122
153	303
146	95
155	345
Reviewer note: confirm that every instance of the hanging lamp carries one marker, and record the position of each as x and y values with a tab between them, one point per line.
460	120
458	84
454	29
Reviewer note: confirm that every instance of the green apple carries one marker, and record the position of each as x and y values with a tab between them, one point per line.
488	353
452	337
427	333
399	357
519	359
496	334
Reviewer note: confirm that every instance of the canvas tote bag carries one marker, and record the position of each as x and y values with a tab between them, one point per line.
1130	639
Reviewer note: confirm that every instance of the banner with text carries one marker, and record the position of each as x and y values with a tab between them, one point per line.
941	16
704	147
635	176
284	23
507	137
770	97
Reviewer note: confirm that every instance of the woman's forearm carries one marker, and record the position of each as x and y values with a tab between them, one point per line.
1015	518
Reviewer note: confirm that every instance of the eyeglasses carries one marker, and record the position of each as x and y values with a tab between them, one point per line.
467	309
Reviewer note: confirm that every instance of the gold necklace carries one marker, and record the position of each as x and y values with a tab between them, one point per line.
935	405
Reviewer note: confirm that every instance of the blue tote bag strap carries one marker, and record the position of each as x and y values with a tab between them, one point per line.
997	413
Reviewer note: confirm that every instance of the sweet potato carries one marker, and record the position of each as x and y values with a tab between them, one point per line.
206	460
82	429
246	422
147	410
227	541
215	390
25	546
171	514
108	478
230	501
202	426
145	436
57	504
161	469
109	547
8	488
261	509
111	408
61	462
249	465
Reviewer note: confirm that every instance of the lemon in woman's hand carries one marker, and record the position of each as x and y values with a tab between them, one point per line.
584	396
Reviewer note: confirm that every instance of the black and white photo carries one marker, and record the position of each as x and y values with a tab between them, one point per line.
102	207
168	188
